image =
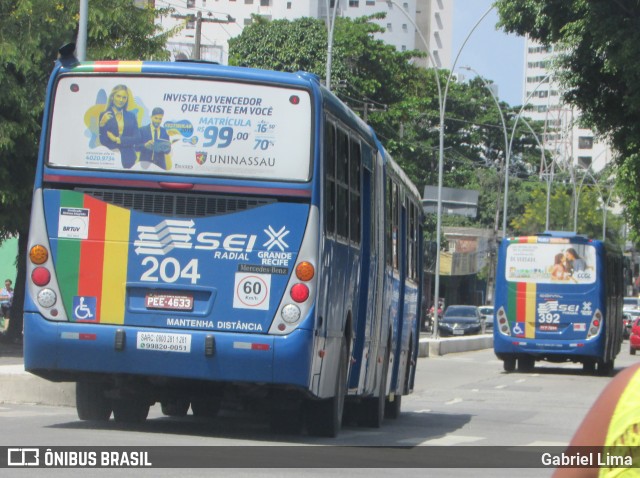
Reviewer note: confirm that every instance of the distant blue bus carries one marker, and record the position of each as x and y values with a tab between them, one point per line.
201	233
559	297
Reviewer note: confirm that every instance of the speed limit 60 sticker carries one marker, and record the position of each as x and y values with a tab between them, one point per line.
252	291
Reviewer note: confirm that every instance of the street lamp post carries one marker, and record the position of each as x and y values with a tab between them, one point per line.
605	202
331	23
513	133
504	130
82	30
442	99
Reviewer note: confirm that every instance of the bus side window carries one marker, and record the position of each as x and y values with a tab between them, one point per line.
355	170
388	205
330	179
342	185
395	222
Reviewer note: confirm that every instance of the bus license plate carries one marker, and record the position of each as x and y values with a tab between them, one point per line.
458	332
169	302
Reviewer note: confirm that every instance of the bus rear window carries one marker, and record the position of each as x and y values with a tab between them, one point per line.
181	126
545	263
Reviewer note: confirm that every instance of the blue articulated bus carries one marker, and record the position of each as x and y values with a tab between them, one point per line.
201	233
558	298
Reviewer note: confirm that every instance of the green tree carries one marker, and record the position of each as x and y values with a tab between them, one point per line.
31	31
598	68
362	67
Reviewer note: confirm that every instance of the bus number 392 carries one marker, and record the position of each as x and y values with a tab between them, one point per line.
549	318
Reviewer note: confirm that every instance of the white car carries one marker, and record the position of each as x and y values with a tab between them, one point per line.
486	311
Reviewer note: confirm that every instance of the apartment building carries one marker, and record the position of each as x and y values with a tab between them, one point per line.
568	141
224	19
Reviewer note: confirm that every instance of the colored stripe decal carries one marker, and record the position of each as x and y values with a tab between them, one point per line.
114	271
530	317
521	309
92	253
111	66
68	256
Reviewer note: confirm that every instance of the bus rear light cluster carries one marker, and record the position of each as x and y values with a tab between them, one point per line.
503	322
594	326
299	292
41	277
298	301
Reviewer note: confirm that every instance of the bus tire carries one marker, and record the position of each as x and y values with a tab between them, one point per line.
372	409
589	366
526	364
632	351
91	402
128	410
175	407
509	364
324	417
605	367
206	407
393	407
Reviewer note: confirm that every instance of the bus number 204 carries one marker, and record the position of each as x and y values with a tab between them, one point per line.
169	270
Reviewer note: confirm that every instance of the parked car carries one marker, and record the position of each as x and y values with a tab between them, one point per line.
486	311
461	320
634	339
631	303
628	318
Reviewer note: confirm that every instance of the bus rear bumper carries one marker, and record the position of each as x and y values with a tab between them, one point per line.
64	351
546	349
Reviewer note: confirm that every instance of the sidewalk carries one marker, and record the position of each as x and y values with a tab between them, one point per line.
18	386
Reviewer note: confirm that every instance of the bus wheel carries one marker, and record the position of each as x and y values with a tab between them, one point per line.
372	409
526	364
509	364
393	407
130	410
589	366
175	407
632	351
206	407
91	402
605	367
324	417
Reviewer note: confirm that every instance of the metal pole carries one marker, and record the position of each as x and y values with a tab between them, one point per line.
331	23
513	133
81	44
196	44
443	100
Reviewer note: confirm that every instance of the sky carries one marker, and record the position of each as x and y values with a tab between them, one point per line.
497	56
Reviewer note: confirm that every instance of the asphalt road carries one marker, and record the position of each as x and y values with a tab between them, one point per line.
460	400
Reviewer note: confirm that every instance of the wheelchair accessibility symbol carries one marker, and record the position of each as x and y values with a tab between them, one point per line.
84	308
517	330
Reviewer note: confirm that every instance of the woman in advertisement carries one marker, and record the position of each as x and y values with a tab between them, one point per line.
119	127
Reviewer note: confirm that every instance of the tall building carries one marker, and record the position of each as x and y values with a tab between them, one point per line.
570	144
223	19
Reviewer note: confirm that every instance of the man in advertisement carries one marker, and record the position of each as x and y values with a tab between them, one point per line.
155	144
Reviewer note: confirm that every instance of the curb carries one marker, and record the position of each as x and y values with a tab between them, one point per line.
430	347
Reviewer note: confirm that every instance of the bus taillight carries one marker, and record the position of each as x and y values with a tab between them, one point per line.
305	271
38	254
300	292
40	276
